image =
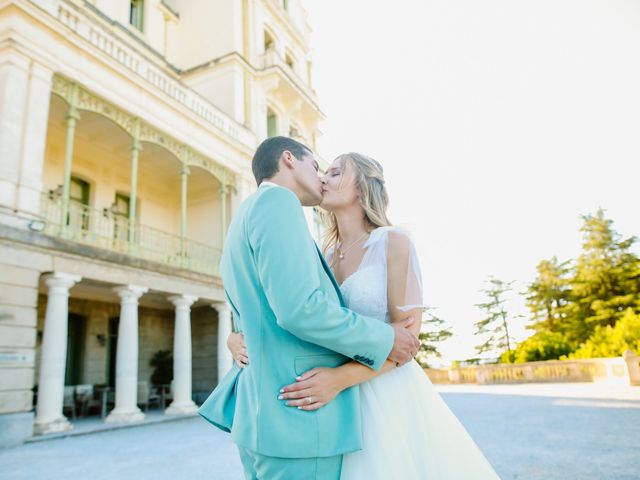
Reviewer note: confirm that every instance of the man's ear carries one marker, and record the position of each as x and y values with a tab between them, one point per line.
288	159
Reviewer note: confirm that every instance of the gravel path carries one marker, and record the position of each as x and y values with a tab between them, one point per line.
539	433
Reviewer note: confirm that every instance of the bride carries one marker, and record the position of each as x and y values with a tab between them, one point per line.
408	430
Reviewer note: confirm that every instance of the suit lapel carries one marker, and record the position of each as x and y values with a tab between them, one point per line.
330	274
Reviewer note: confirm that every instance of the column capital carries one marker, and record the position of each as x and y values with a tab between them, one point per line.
59	279
224	189
136	145
182	300
130	292
184	169
222	308
72	114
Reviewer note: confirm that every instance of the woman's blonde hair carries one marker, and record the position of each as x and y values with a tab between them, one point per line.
369	180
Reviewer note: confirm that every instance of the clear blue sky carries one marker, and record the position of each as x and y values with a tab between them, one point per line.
498	123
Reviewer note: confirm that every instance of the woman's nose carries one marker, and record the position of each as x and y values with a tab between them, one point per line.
323	180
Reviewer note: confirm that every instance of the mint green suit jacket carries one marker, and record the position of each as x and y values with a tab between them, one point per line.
287	303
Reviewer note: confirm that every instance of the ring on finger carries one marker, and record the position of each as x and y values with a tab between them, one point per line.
309	400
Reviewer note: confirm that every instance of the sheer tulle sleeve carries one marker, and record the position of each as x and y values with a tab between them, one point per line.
404	276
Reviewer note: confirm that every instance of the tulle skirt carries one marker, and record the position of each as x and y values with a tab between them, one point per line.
409	433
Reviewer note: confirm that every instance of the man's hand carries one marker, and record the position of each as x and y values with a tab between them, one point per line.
405	343
238	349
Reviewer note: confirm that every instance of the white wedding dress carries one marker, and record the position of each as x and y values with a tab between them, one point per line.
409	433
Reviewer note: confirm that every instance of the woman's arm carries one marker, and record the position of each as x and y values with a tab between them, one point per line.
238	349
404	287
322	385
319	386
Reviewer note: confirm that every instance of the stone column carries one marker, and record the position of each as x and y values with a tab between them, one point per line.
223	213
25	91
126	409
242	190
53	362
225	360
72	118
184	174
182	402
135	155
633	366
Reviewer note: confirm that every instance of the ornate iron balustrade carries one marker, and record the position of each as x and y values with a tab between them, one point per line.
109	231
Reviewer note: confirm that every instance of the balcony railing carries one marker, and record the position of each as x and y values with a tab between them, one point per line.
103	229
101	36
271	58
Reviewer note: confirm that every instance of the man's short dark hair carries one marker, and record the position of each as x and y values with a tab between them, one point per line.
266	159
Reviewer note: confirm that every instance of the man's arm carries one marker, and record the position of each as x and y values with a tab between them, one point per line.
285	256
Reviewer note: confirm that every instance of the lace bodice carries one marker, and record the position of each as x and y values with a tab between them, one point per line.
365	290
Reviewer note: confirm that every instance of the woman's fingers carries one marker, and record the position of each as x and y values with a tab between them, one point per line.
305	401
306	375
298	386
307	392
313	406
302	382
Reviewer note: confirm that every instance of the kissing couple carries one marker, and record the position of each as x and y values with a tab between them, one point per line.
324	385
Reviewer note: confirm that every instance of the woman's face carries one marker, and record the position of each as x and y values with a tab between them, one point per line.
339	189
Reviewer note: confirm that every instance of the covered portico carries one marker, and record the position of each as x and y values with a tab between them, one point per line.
147	317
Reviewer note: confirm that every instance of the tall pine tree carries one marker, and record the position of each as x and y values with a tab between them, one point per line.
430	336
606	281
548	294
494	327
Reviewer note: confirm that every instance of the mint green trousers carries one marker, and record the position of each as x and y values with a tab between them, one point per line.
261	467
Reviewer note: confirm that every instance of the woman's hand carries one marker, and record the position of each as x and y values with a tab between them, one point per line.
238	349
313	389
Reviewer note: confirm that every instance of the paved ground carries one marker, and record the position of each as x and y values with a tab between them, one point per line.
532	432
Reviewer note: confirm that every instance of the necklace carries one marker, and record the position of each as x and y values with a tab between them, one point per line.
342	252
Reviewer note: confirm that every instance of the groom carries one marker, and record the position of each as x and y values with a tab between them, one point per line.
288	305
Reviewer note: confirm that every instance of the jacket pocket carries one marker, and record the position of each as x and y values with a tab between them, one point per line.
307	362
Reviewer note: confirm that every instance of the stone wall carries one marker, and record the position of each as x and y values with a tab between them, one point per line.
19	276
613	370
155	329
204	331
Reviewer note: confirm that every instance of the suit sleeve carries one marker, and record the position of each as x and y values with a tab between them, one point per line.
286	260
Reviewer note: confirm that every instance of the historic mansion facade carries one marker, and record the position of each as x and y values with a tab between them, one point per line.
127	129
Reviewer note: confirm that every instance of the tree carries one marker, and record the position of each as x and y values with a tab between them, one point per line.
548	294
613	341
539	346
606	281
494	325
162	361
430	335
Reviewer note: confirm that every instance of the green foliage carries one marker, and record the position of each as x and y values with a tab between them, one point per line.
494	326
548	295
430	335
162	374
608	341
606	280
577	306
540	346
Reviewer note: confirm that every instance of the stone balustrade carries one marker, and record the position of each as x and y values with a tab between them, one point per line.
624	370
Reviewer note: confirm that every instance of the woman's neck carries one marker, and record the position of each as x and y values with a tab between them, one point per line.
352	225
